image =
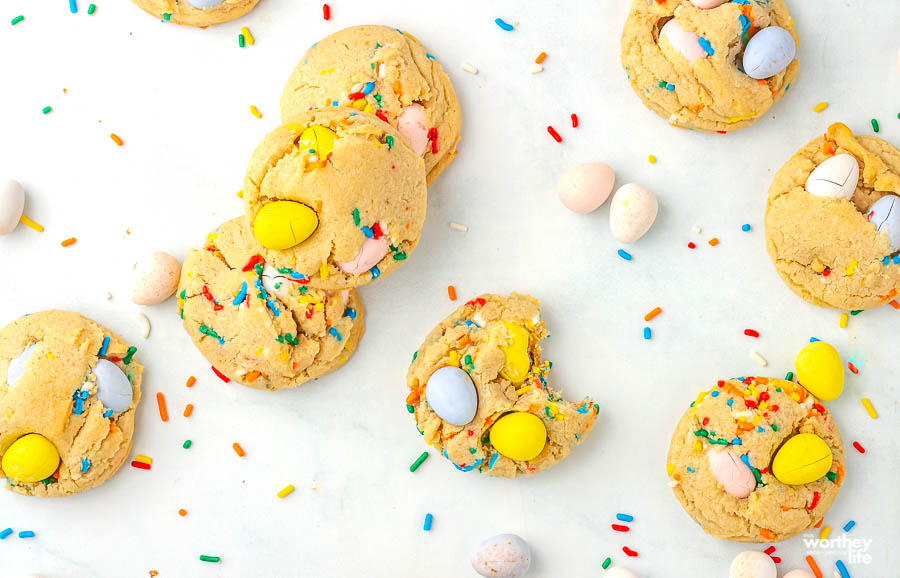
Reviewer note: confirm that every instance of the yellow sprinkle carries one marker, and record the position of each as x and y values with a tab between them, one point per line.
869	409
323	270
327	71
285	354
359	103
240	194
454	358
143	459
319	306
255	111
823	534
294	127
698	447
285	491
26	221
734	119
851	268
820	107
553	408
523	389
652	159
247	36
670	469
697	401
369	108
259	352
843	322
763	405
50	355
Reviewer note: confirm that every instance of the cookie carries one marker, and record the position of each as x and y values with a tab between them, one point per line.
722	453
386	72
691	74
479	391
261	327
197	12
824	247
336	196
68	391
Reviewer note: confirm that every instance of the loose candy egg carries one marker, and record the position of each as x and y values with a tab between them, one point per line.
731	472
819	370
834	178
12	203
802	459
752	564
798	574
519	435
586	187
769	52
708	4
411	124
318	140
517	363
155	278
17	364
632	212
274	282
283	224
619	572
451	394
502	556
113	388
370	253
31	458
885	213
684	41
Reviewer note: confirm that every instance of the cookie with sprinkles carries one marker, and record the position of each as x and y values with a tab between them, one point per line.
259	325
337	196
709	65
386	72
197	12
832	229
756	459
479	393
68	393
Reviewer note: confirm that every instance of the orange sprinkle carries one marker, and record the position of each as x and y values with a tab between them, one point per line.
540	57
451	292
116	139
412	398
677	477
191	381
238	449
785	508
188	410
161	402
813	566
656	311
713	242
252	376
828	148
745	425
893	303
463	341
819	524
398	88
69	241
182	512
767	534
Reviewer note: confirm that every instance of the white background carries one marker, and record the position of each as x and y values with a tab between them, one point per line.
179	97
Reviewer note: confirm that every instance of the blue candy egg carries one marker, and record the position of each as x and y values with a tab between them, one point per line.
769	52
17	364
451	394
113	388
885	214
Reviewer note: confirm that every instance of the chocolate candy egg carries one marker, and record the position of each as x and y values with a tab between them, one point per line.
370	253
155	278
517	362
885	213
632	212
283	224
586	187
707	4
411	124
318	140
769	52
113	388
274	282
502	556
619	572
834	178
819	369
519	435
734	475
12	203
752	564
798	574
684	41
29	459
802	459
451	394
17	364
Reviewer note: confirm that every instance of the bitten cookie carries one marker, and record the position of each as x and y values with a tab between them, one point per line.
337	196
68	391
832	226
197	12
756	459
260	326
710	65
388	73
479	391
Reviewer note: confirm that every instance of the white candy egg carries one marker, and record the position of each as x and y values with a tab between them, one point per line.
17	364
113	387
769	52
274	282
204	4
752	564
707	4
502	556
155	278
835	177
619	572
12	203
798	574
632	212
586	187
451	394
684	41
885	214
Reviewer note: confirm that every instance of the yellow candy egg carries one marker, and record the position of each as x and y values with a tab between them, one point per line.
516	353
820	371
283	224
802	459
31	458
318	140
519	436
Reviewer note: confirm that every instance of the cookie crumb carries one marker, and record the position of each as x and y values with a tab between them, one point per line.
468	68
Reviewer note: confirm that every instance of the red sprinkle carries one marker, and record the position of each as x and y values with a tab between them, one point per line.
859	447
326	12
819	408
776	559
376	230
433	138
354	96
826	272
705	420
812	505
629	551
751	333
574	120
691	245
253	262
620	528
309	311
554	134
380	114
219	373
140	465
769	550
852	368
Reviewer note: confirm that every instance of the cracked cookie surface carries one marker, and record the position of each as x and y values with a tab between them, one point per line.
261	327
197	12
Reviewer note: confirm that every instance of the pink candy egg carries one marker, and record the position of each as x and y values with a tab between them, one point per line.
752	564
731	472
586	187
370	253
684	41
411	124
155	278
798	574
708	4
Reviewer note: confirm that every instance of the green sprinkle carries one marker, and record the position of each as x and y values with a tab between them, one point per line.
241	40
701	432
291	339
607	562
356	217
467	359
410	408
167	16
875	125
662	84
857	312
472	450
131	351
186	444
46	110
17	19
831	476
390	141
415	465
92	8
720	441
205	558
401	256
774	427
183	294
415	355
789	376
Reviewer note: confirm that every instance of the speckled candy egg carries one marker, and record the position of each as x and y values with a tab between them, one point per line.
769	52
834	178
16	366
684	41
502	556
802	459
113	388
632	212
204	4
619	572
798	574
819	369
274	282
12	203
752	564
155	278
885	214
708	4
451	394
586	187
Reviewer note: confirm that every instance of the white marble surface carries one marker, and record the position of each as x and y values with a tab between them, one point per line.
179	98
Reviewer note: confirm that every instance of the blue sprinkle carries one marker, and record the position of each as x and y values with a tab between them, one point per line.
429	57
107	413
367	231
334	333
29	533
730	402
428	519
466	468
813	339
692	470
787	87
746	460
73	7
295	275
5	533
704	43
493	459
375	272
759	429
241	295
272	307
369	87
842	569
334	103
582	408
104	347
624	518
350	312
849	525
896	259
714	393
745	227
85	465
84	394
624	254
745	23
647	333
737	442
670	87
886	260
499	22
